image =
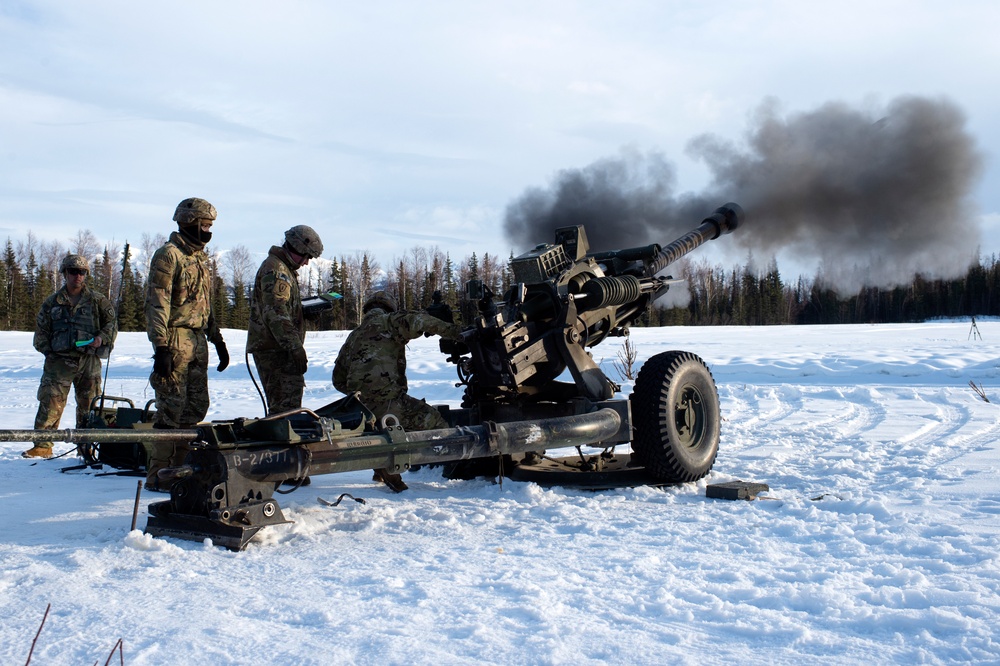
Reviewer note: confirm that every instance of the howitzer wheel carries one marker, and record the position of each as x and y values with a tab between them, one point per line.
675	407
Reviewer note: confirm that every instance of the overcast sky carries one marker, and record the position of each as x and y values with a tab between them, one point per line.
391	124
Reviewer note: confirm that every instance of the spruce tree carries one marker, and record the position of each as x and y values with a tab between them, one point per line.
448	289
131	302
240	312
217	294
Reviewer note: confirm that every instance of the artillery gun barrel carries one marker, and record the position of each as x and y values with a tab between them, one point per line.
85	435
396	448
725	219
493	439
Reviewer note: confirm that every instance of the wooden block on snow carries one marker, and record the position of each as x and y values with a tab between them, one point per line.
735	490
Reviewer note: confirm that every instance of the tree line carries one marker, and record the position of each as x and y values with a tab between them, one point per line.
710	294
746	296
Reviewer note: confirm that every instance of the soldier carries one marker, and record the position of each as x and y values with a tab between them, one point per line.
179	318
75	329
277	331
373	361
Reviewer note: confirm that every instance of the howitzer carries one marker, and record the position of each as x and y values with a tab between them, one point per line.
566	300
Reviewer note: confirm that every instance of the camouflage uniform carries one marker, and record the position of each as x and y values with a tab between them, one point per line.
277	330
59	325
179	316
373	361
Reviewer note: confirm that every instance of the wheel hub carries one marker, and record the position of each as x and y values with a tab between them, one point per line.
689	414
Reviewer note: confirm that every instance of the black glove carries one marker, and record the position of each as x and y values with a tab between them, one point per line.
163	362
299	361
223	352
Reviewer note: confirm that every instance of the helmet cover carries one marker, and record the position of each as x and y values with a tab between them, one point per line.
190	210
382	300
304	240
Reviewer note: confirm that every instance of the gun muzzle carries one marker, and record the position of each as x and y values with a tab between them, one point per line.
725	219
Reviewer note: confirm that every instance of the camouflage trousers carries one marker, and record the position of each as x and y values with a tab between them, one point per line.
282	388
413	414
182	398
62	371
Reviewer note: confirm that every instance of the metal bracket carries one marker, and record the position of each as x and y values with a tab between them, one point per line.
399	460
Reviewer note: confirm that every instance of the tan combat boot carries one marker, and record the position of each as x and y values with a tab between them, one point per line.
38	452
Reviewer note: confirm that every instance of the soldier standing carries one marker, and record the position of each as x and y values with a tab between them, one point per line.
373	362
75	329
277	331
179	324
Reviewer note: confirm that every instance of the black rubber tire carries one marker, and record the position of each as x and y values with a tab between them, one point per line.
675	409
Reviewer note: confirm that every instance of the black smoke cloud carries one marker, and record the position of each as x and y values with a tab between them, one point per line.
871	197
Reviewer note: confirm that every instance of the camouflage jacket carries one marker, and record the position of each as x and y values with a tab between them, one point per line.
178	293
60	324
373	357
276	320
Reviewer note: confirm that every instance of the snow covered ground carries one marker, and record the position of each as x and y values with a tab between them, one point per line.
877	543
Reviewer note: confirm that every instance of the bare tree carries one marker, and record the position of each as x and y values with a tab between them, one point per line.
49	257
238	264
86	244
26	249
361	271
147	247
416	270
426	272
314	277
625	363
489	272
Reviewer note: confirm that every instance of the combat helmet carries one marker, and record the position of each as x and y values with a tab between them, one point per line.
190	210
74	261
304	240
381	300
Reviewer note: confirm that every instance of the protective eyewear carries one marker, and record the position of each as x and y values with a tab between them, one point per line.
77	271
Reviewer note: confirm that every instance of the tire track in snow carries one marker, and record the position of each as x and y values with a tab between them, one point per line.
810	439
765	404
951	430
788	426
